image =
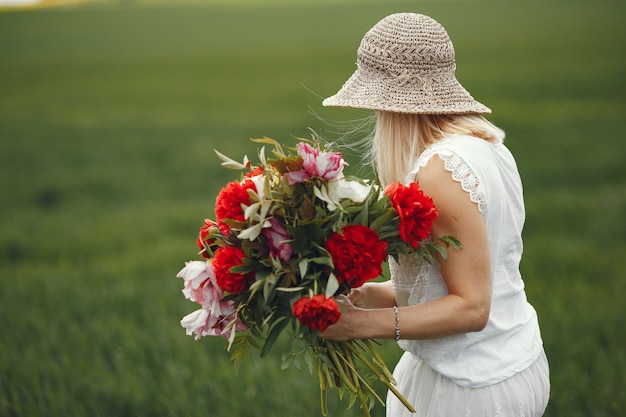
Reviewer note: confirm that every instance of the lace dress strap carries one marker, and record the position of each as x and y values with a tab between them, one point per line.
461	172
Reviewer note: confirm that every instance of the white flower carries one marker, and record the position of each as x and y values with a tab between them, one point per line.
259	183
198	323
200	283
352	190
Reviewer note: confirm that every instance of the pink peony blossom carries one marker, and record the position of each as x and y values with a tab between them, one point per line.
201	283
295	177
198	322
326	165
203	322
277	237
215	315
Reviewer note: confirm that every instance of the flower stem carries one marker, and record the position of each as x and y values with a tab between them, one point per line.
339	368
378	360
348	358
323	401
359	378
382	378
323	385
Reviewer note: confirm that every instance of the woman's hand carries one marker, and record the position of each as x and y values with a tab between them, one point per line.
357	296
361	317
360	323
373	295
346	328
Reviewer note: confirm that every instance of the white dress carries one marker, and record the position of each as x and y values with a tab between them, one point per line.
502	370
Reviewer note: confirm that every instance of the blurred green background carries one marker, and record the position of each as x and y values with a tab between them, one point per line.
109	113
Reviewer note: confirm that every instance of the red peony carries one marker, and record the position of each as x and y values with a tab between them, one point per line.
229	201
317	312
203	241
416	210
358	254
225	258
256	171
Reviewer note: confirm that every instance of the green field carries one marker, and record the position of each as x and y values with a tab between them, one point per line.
109	113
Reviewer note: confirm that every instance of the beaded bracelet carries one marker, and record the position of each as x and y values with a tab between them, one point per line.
395	311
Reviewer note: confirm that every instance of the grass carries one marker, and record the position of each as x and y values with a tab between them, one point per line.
108	116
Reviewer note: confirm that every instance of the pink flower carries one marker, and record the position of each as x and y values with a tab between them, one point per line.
214	317
277	237
205	322
297	176
326	165
201	283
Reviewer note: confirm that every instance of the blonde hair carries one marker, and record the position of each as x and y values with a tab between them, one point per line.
400	138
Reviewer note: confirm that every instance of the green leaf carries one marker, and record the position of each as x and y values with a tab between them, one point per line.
241	352
276	264
332	285
253	342
306	234
269	141
323	260
303	265
441	250
308	361
255	286
231	163
251	210
290	289
268	287
322	194
363	217
286	363
381	203
382	220
252	232
262	158
242	269
265	208
451	241
272	336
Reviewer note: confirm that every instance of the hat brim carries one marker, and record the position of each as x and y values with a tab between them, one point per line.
365	90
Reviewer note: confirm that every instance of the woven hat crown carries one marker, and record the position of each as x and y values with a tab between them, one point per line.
405	63
407	44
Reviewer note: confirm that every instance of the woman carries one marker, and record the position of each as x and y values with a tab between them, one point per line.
472	341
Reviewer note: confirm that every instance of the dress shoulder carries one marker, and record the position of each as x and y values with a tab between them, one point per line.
457	153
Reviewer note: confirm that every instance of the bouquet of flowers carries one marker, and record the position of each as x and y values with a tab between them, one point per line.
288	237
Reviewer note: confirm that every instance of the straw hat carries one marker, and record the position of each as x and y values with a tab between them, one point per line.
405	64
